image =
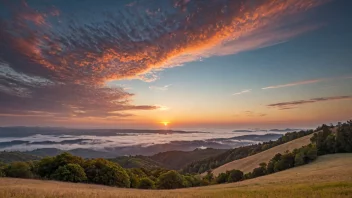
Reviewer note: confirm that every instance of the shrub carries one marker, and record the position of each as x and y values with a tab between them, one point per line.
101	171
18	169
257	172
146	183
222	178
70	173
235	176
45	167
170	180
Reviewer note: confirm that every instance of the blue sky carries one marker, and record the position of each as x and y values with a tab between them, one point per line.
183	62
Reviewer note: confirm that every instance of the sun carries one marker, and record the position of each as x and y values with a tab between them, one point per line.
165	123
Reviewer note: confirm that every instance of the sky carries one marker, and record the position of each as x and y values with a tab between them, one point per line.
175	64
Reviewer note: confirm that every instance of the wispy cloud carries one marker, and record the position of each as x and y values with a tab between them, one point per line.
305	82
160	88
56	58
242	92
296	103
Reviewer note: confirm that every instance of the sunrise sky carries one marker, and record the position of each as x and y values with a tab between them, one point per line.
187	63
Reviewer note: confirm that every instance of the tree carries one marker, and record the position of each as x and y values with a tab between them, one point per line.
45	167
248	176
19	170
146	183
134	179
67	158
3	167
270	167
257	172
344	138
222	178
235	176
70	173
299	159
209	176
170	180
287	161
101	171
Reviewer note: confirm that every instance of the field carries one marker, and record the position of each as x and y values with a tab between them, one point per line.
328	176
249	163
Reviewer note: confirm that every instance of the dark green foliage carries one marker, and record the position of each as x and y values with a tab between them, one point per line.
67	158
222	178
241	152
305	155
178	159
45	167
247	176
344	138
209	176
328	142
146	183
15	156
191	180
101	171
138	161
324	141
257	172
170	180
18	169
2	169
134	179
287	161
70	173
48	165
234	176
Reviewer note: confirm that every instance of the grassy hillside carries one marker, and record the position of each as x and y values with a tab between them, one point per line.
137	162
178	159
329	176
211	163
249	163
8	157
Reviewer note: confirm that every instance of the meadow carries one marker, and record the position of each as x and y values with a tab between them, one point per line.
328	176
249	163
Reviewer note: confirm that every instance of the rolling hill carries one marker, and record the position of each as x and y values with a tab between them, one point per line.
247	164
328	176
14	156
178	159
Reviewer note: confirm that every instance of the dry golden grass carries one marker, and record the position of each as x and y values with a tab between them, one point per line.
249	163
329	176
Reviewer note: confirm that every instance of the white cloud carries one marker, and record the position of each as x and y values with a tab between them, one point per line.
162	88
242	92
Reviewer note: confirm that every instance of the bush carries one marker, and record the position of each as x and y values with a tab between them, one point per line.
70	173
222	178
146	183
134	179
45	167
170	180
234	176
19	170
101	171
257	172
209	176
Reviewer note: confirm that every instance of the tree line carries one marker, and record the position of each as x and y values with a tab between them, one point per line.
323	142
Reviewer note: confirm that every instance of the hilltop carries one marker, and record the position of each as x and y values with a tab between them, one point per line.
249	163
328	176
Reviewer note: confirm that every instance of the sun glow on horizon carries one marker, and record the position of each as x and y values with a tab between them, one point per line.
165	123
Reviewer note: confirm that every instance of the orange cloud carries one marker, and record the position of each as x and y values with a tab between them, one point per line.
221	34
